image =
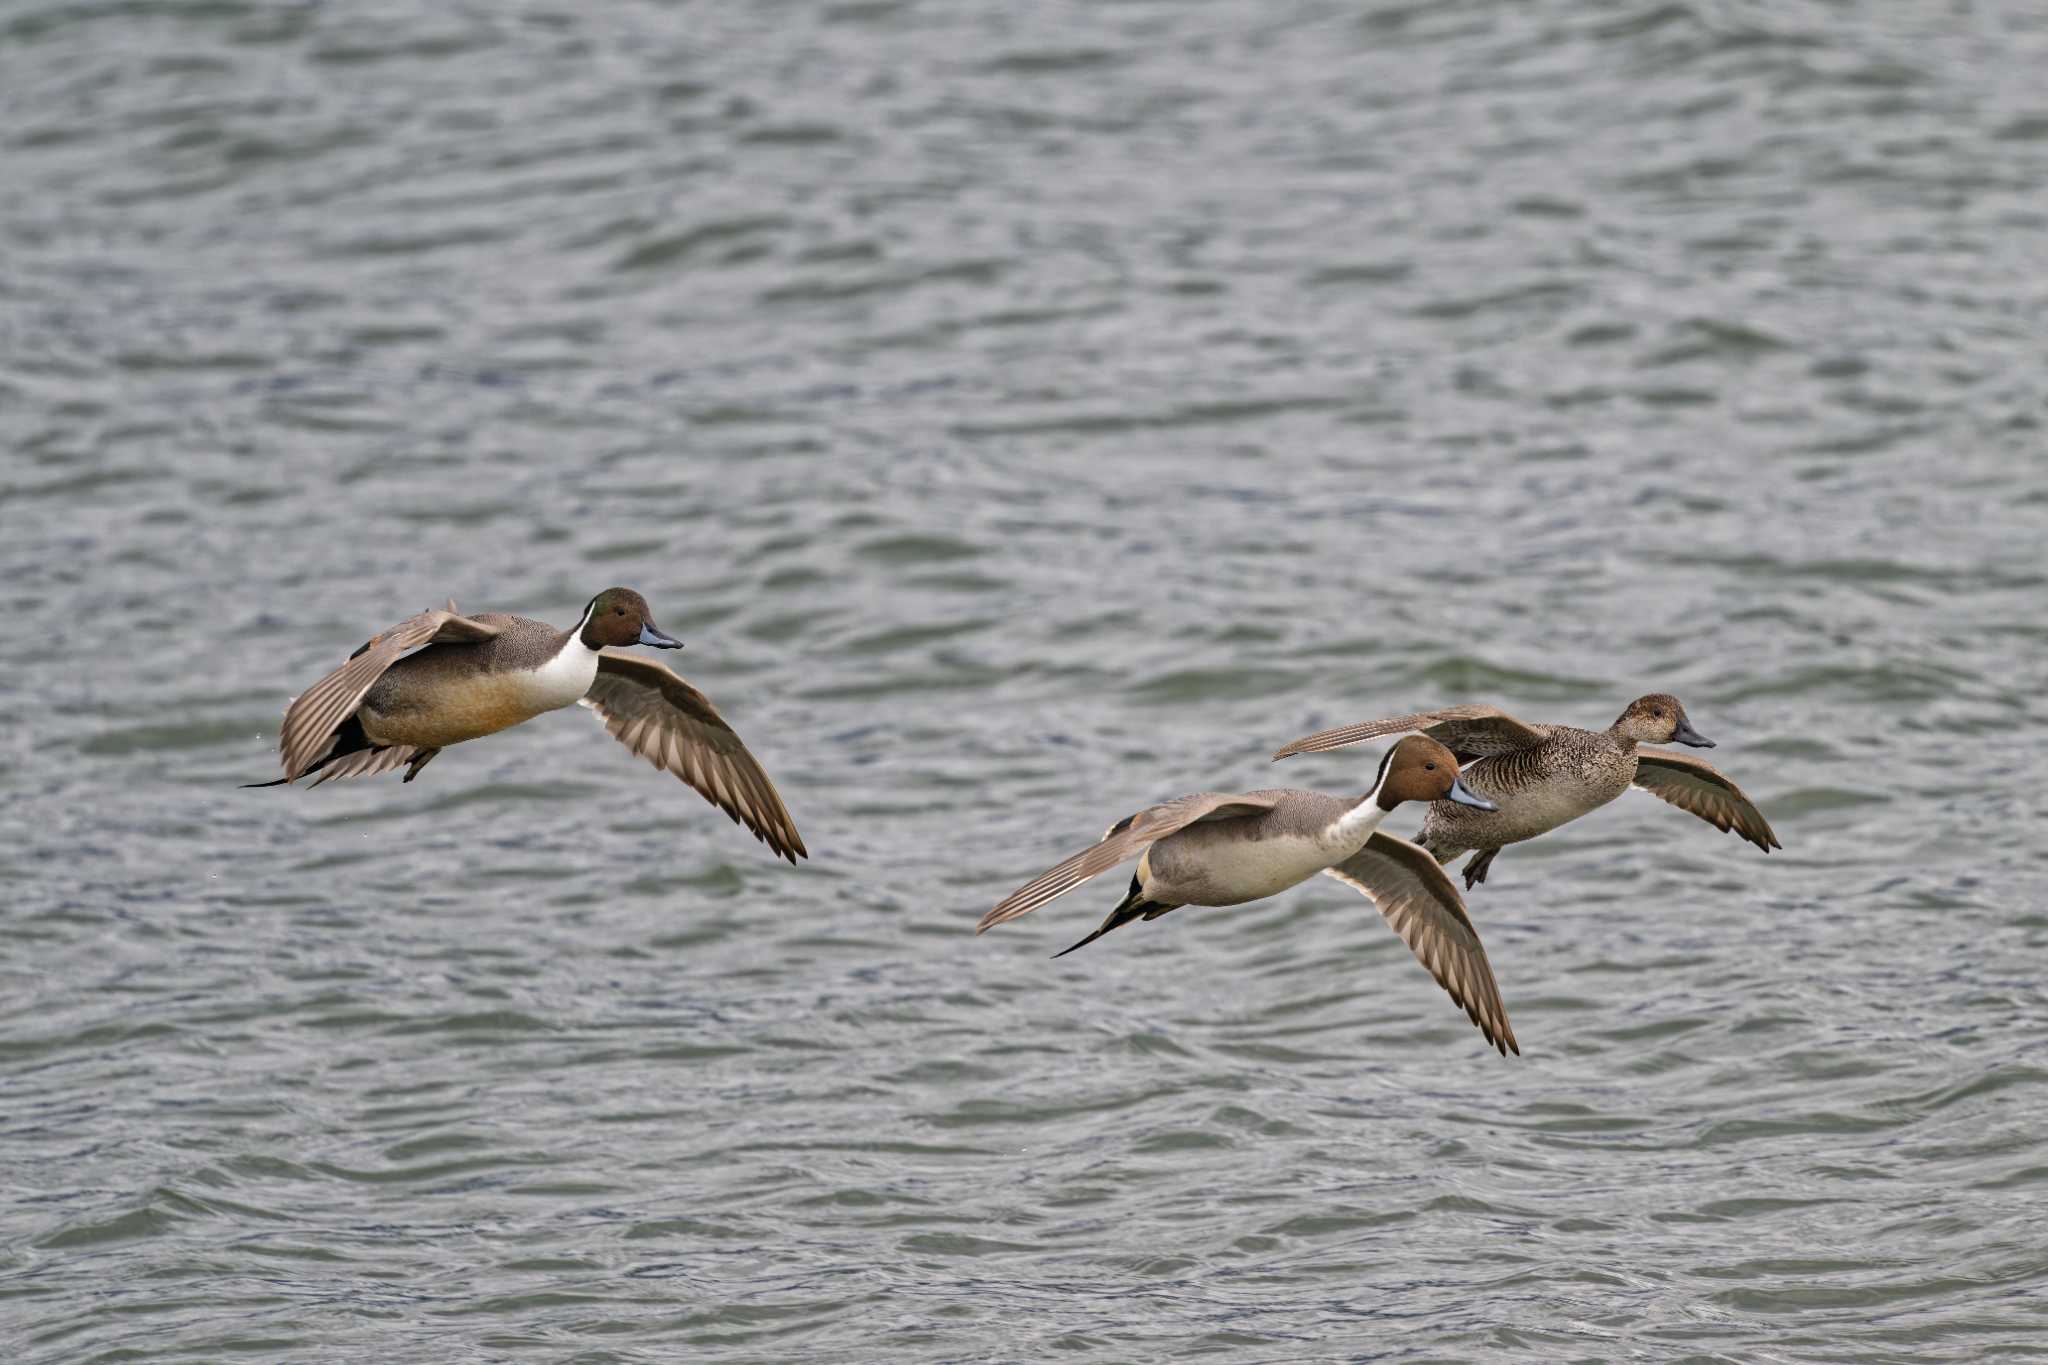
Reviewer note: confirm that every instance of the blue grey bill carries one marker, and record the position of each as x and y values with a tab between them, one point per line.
1685	734
660	640
1464	796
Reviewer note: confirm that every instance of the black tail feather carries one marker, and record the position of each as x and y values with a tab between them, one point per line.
348	739
1134	906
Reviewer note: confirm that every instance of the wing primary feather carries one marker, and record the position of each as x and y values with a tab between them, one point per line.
658	715
1421	905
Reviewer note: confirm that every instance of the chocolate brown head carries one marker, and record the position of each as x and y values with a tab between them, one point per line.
1420	769
1658	718
620	616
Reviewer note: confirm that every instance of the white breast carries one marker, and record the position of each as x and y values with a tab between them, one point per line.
1254	870
1348	833
1203	865
562	679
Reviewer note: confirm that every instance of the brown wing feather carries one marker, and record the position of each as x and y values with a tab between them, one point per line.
1421	905
1123	840
650	709
365	763
1698	787
1478	731
315	714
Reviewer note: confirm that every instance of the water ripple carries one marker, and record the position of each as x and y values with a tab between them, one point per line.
1025	414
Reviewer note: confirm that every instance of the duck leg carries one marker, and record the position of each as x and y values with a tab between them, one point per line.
419	761
1475	870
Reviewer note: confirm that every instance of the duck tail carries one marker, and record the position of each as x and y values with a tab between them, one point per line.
348	739
1134	906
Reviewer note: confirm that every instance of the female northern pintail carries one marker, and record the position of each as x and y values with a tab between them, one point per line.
477	675
1218	848
1542	776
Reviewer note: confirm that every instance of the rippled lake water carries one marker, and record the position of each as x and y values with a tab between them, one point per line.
1025	413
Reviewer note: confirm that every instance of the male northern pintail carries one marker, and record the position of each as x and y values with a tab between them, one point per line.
477	675
1217	848
1542	776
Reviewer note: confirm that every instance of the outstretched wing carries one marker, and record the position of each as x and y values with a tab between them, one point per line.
1122	840
1699	787
1421	905
315	714
649	708
1467	731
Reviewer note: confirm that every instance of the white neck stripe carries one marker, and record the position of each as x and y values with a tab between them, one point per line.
1356	825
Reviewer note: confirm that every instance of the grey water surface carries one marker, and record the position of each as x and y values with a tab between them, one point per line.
1024	412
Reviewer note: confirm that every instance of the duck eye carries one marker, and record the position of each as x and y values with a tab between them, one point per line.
1430	766
618	611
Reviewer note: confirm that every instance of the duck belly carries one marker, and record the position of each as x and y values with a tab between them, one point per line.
1533	799
1199	866
432	708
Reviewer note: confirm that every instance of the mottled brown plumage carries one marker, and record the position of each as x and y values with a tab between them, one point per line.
1473	731
1542	776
